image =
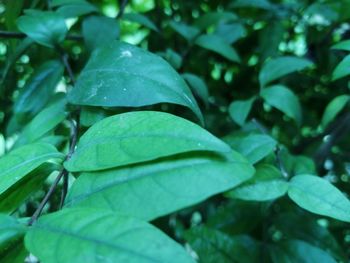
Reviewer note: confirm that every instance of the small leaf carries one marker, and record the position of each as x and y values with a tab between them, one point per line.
139	136
279	67
159	187
283	99
298	251
39	89
342	69
253	146
116	76
188	32
231	32
174	58
214	18
140	19
334	108
45	27
215	246
99	31
218	45
267	184
262	4
198	86
19	162
73	8
239	110
343	45
319	196
80	235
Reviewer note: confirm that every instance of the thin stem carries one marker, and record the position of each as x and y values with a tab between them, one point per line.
12	34
122	9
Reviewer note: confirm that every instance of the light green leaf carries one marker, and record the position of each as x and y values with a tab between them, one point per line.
19	162
139	136
218	45
80	235
140	19
239	110
198	86
159	187
342	69
319	196
39	88
188	32
279	67
69	9
267	184
334	108
253	146
283	99
215	246
343	45
44	27
298	251
116	76
99	31
213	18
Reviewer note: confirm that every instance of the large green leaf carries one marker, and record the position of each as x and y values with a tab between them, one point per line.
342	69
45	27
139	136
267	184
283	99
39	88
253	146
116	75
215	246
88	235
239	110
153	189
99	31
19	162
140	19
218	45
279	67
334	108
298	251
319	196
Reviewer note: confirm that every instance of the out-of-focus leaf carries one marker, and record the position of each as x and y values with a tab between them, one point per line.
197	86
343	45
262	4
343	69
230	32
213	18
73	8
334	108
140	19
188	32
239	110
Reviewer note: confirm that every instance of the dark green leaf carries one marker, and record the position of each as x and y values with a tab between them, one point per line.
263	4
140	19
213	18
197	86
334	108
45	27
319	196
116	76
139	136
239	110
161	187
74	8
231	32
188	32
80	235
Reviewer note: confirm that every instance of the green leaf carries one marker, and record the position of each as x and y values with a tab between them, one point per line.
19	162
279	67
239	110
44	27
139	136
342	69
99	31
69	9
140	19
230	32
116	76
165	186
90	115
298	251
213	18
262	4
283	99
39	88
253	146
13	197
197	86
216	246
267	184
218	45
188	32
319	196
343	45
334	108
80	235
45	121
174	58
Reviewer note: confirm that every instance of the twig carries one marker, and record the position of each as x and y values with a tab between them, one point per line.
122	9
12	34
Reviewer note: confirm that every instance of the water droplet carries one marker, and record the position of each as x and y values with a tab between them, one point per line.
124	89
105	98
